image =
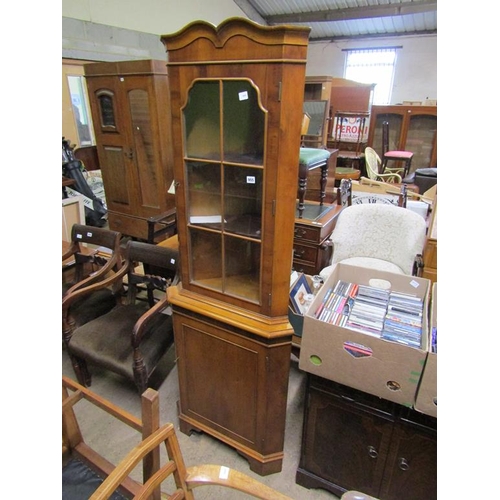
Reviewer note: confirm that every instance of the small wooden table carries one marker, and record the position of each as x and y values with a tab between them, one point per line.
311	249
311	158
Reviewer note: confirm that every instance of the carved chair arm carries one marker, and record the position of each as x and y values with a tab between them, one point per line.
142	322
97	276
72	249
116	280
208	474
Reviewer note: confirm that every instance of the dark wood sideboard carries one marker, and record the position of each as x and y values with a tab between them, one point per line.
354	441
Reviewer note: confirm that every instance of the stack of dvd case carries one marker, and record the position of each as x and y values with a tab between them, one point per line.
403	321
334	308
368	310
393	316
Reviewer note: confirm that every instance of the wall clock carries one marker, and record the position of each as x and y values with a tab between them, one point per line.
362	197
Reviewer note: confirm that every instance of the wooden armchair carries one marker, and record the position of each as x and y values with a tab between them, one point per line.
84	468
185	478
132	337
113	480
90	266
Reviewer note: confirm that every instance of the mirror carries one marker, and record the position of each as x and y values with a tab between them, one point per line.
317	110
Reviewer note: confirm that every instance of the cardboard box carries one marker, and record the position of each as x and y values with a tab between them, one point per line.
386	369
426	401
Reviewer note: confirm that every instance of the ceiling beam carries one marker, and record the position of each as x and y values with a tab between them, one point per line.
372	35
251	12
367	12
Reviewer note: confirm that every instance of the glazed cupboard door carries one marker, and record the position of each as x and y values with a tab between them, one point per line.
411	128
224	168
236	117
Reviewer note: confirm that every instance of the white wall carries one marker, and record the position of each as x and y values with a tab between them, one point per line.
416	67
157	17
415	78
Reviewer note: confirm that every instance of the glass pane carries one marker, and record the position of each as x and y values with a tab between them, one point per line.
206	262
202	121
317	111
204	194
242	267
80	109
420	139
243	200
243	124
395	124
143	145
107	110
224	192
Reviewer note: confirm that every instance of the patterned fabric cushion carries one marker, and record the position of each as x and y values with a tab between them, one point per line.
378	231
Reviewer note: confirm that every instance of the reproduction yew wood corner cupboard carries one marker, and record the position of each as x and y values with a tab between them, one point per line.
236	101
130	111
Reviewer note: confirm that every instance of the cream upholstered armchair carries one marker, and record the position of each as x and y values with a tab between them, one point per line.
378	236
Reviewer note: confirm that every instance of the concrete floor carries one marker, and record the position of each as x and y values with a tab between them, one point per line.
100	431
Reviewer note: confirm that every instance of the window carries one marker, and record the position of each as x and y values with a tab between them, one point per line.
80	109
373	66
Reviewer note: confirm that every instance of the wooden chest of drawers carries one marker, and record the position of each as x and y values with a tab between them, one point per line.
311	248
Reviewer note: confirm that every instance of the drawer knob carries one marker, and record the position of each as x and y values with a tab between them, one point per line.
372	452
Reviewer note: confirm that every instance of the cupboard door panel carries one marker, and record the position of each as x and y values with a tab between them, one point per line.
346	445
411	468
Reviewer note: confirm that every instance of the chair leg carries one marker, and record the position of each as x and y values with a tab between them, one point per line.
81	371
140	374
407	167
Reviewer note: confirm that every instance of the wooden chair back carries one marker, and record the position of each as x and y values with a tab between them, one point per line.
185	479
344	193
74	445
87	250
348	125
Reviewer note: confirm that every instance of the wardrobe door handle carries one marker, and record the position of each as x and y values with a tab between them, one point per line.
403	464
